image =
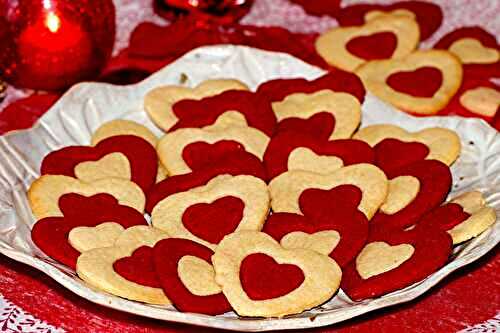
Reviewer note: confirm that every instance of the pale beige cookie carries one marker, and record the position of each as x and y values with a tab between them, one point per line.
158	102
402	191
321	275
229	126
303	158
471	51
110	165
128	127
344	107
373	14
483	101
444	144
44	193
123	127
322	241
139	235
286	188
198	276
379	257
374	75
332	45
87	238
481	217
96	268
168	214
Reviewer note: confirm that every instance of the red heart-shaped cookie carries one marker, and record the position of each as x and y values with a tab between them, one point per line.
139	267
141	156
422	82
435	181
167	255
278	159
263	278
477	49
202	155
428	15
320	125
393	154
239	163
200	113
380	45
224	215
326	210
394	260
50	234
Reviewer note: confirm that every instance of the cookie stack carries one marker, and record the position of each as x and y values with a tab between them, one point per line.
261	202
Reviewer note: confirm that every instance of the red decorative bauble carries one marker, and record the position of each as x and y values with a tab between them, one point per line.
51	44
223	11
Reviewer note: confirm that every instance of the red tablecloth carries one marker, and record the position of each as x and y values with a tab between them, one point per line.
469	298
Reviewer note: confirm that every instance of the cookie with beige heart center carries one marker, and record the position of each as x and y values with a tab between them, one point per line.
158	102
262	279
207	213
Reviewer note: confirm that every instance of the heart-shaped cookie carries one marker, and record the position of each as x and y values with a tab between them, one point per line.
394	260
204	112
392	36
207	213
286	188
240	163
261	279
443	144
45	192
52	234
187	277
403	207
126	271
230	127
464	217
290	150
410	83
124	156
159	102
311	106
428	15
476	48
338	230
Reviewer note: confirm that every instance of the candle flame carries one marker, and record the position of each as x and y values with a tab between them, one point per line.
52	22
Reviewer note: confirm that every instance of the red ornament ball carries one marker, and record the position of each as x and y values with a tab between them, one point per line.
52	44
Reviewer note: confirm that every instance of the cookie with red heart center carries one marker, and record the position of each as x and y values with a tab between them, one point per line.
384	37
125	269
237	163
184	269
51	234
440	144
330	223
184	149
422	82
262	279
207	213
475	98
394	260
287	188
123	156
204	112
464	217
476	48
159	102
45	192
428	15
320	107
289	150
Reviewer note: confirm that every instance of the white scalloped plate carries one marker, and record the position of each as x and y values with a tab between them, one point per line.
84	107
